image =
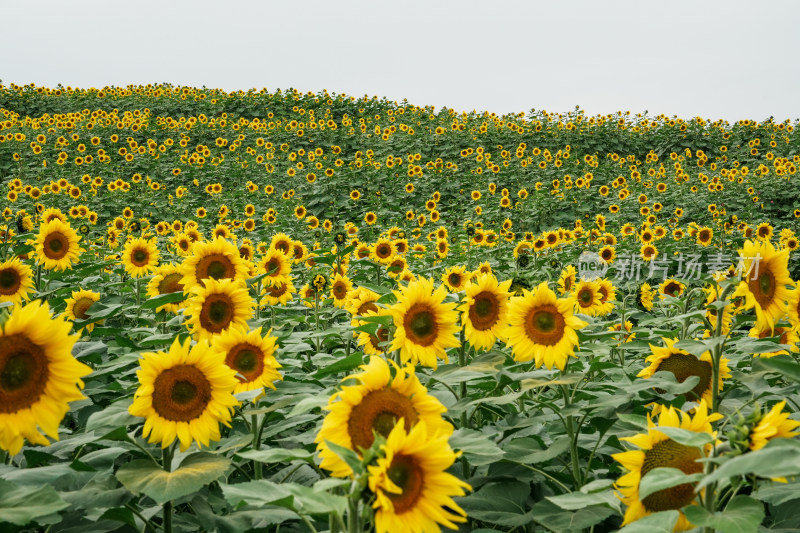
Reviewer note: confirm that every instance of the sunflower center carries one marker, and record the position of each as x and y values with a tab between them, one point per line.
454	280
585	298
545	325
56	245
483	314
669	453
247	360
215	266
366	307
272	267
181	393
170	283
217	313
139	257
339	290
683	366
420	325
672	289
276	291
378	412
10	281
765	287
603	295
81	307
23	373
407	475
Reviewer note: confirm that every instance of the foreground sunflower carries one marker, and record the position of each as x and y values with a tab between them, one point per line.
374	405
657	450
184	393
140	257
38	376
765	277
16	281
413	491
484	310
167	279
425	325
78	306
57	245
251	356
542	328
216	307
217	259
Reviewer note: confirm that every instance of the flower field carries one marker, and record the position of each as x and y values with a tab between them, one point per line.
287	311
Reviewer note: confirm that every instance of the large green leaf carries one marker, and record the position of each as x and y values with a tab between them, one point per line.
163	299
477	447
503	504
554	518
21	505
298	498
780	458
663	522
743	514
664	478
277	455
196	471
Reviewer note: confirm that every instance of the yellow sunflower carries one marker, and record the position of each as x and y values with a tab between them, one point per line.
566	281
57	245
283	243
671	287
683	365
278	294
645	296
785	336
657	450
276	266
38	375
608	293
382	251
484	310
16	281
218	259
184	393
425	325
587	297
220	305
167	279
140	257
373	344
374	404
712	295
775	424
359	301
413	491
793	306
542	327
765	277
456	278
78	306
251	356
340	288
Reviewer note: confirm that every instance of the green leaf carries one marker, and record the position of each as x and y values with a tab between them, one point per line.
277	455
556	519
163	299
196	471
663	522
503	504
298	498
781	364
743	514
347	364
686	437
347	455
779	458
21	505
520	450
778	493
663	478
477	447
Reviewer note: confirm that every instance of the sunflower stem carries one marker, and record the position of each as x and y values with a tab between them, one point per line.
352	515
256	445
167	464
573	439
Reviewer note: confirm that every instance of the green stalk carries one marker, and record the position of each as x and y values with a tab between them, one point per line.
167	464
573	440
353	518
256	445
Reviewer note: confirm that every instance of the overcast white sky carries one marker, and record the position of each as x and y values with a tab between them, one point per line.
728	59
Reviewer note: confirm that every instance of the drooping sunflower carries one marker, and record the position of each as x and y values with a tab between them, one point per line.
16	281
167	279
456	278
683	365
645	295
276	266
251	356
566	281
78	306
184	393
216	307
38	375
541	327
278	294
587	297
772	425
218	259
57	245
140	257
671	287
413	491
765	277
657	450
425	325
484	310
374	404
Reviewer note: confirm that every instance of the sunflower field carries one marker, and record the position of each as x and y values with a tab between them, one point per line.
287	311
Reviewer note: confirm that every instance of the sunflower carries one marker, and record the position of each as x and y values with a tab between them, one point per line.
276	266
456	278
648	252
608	293
382	251
38	375
16	281
78	306
542	327
484	310
765	277
251	356
671	287
218	259
566	281
772	425
283	243
413	491
683	365
374	404
167	279
645	295
587	297
57	245
712	295
657	450
140	257
217	307
704	236
278	294
785	335
184	393
607	254
426	326
359	301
